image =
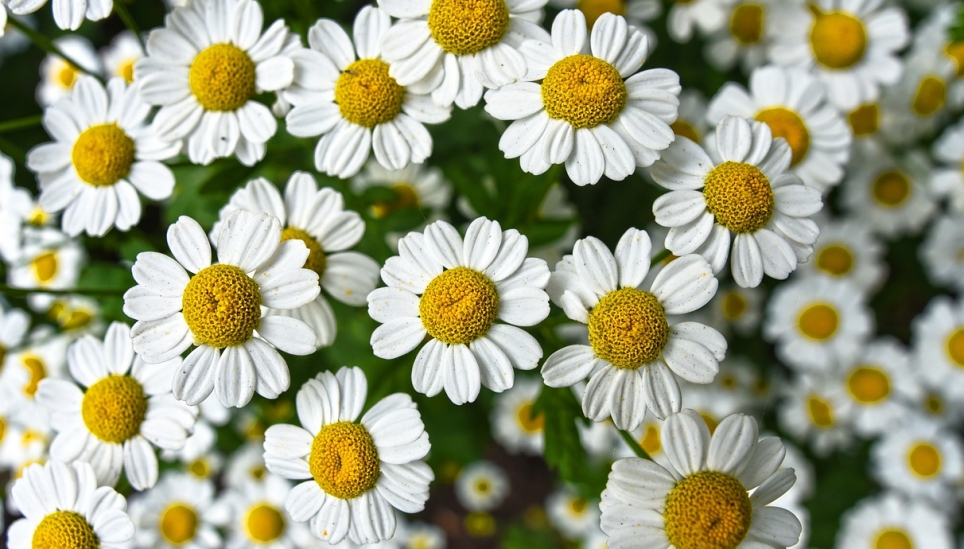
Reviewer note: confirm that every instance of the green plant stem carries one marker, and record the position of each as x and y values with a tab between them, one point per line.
20	123
47	44
659	257
634	445
129	22
93	292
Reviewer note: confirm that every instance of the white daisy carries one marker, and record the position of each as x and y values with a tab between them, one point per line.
64	507
219	309
76	316
253	515
889	520
948	177
736	309
68	14
864	121
848	249
119	57
922	101
938	343
422	536
246	464
933	36
49	259
14	324
355	104
317	218
198	456
176	514
572	514
922	460
515	425
881	384
204	67
706	15
481	486
634	349
42	356
812	410
584	113
453	290
745	38
357	473
416	186
57	76
16	206
702	499
714	403
942	252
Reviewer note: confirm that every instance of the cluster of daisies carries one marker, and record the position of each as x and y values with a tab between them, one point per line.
835	145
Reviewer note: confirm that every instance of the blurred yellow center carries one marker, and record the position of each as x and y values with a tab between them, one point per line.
924	460
893	539
114	408
650	441
367	95
955	347
864	120
739	196
37	370
891	189
821	414
103	154
126	70
343	460
788	125
594	9
733	305
264	523
64	530
3	428
178	523
746	24
838	39
930	96
707	510
934	404
199	468
67	75
529	422
222	306
44	267
479	524
222	77
835	259
405	197
459	306
868	385
628	328
464	27
710	421
818	321
584	91
955	50
683	128
578	506
316	255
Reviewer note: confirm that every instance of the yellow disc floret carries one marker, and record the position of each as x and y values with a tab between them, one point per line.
37	371
222	77
367	95
868	384
464	27
222	306
529	421
746	24
835	259
103	154
838	39
126	70
893	539
707	510
650	441
316	255
734	305
264	523
891	189
44	267
930	96
682	128
459	306
821	414
864	120
343	460
67	75
955	347
739	196
114	408
955	51
405	197
64	530
818	321
924	460
628	328
788	125
583	90
178	523
594	9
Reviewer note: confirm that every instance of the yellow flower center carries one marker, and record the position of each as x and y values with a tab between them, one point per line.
734	305
178	523
482	487
114	408
67	75
199	468
868	385
710	421
578	506
103	154
955	50
405	197
931	95
464	27
864	120
739	196
955	347
44	267
316	255
257	472
835	259
367	95
628	328
222	306
459	306
821	414
838	39
707	510
891	189
650	441
222	77
583	90
38	217
893	539
64	530
924	460
818	321
934	404
529	422
38	371
746	23
683	128
264	523
479	524
788	125
126	70
594	9
343	460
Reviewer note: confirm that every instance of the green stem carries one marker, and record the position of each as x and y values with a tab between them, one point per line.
129	22
20	123
634	445
93	292
659	257
46	44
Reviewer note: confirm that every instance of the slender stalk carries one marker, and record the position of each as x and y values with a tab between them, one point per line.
46	44
634	445
659	257
93	292
129	22
20	123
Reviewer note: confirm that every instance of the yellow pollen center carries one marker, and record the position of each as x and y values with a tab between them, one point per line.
891	189
126	70
103	154
222	306
64	530
316	255
838	39
367	95
931	95
955	347
3	428
868	385
683	128
710	421
482	487
818	321
529	422
459	306
178	523
864	120
37	370
44	267
733	305
650	442
707	510
199	468
835	259
343	460
893	539
821	414
264	523
583	90
934	404
788	125
38	217
405	197
739	196
746	24
628	328
479	524
578	506
114	408
924	460
464	27
955	50
594	9
67	75
222	77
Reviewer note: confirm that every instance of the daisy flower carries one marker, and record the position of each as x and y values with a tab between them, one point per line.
706	15
942	252
317	218
938	342
246	465
880	384
48	260
889	520
203	69
455	49
43	355
922	460
736	309
416	186
57	76
584	113
813	409
481	486
358	471
14	324
176	514
748	193
714	403
746	38
848	249
252	513
850	45
453	289
119	57
16	206
219	309
514	423
634	349
864	121
198	456
422	536
702	498
922	101
571	514
947	179
68	14
355	104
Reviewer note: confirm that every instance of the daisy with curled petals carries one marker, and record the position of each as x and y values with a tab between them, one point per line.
453	290
68	14
355	104
203	69
127	407
633	348
703	497
319	219
219	309
103	154
584	113
64	507
357	472
748	193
